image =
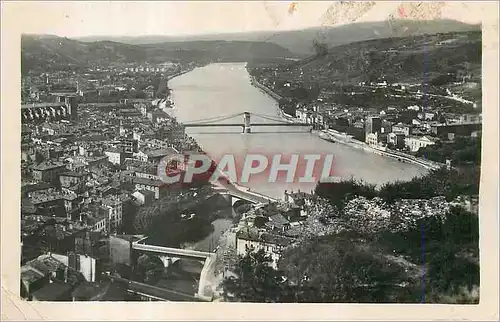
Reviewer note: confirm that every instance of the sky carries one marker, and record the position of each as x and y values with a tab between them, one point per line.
128	18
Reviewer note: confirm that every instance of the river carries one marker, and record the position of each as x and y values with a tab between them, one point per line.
225	89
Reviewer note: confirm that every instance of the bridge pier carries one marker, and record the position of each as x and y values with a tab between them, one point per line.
168	260
246	123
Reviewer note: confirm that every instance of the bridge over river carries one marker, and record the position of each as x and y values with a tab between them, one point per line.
247	122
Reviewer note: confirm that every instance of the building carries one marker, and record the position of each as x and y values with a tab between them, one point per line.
158	116
465	129
401	128
70	178
157	155
120	249
128	145
85	264
373	125
41	187
470	118
115	155
113	207
47	279
98	222
253	240
156	186
396	139
48	171
144	197
414	143
38	112
143	135
372	139
26	134
64	107
278	223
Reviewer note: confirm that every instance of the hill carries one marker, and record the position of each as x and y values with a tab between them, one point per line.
49	50
300	41
414	59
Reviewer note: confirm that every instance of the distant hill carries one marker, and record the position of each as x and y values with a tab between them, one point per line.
300	41
45	50
414	59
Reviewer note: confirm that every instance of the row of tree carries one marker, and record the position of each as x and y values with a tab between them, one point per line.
441	182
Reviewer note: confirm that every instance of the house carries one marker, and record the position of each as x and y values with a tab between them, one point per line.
70	178
278	222
158	116
128	145
113	206
372	139
156	186
26	134
158	154
32	280
149	91
120	248
302	114
143	135
414	143
87	265
401	128
98	222
115	155
47	279
140	156
48	171
144	197
396	139
29	189
253	240
442	130
142	169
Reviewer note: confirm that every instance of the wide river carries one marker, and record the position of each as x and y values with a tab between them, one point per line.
225	89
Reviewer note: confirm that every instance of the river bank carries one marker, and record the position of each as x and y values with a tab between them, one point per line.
182	72
332	135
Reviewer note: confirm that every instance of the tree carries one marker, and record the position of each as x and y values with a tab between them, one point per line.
255	281
320	48
336	269
337	193
448	248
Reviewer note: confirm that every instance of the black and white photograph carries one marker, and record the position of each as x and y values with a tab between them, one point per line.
333	161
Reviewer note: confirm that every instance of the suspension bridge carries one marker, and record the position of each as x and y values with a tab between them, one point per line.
247	122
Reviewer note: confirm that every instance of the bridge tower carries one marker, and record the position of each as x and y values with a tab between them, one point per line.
246	123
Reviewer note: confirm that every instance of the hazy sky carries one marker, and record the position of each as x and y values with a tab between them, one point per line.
84	18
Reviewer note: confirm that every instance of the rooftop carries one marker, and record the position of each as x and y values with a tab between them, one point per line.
45	264
160	152
30	274
148	182
279	219
40	105
264	237
35	187
147	192
47	165
73	174
52	291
